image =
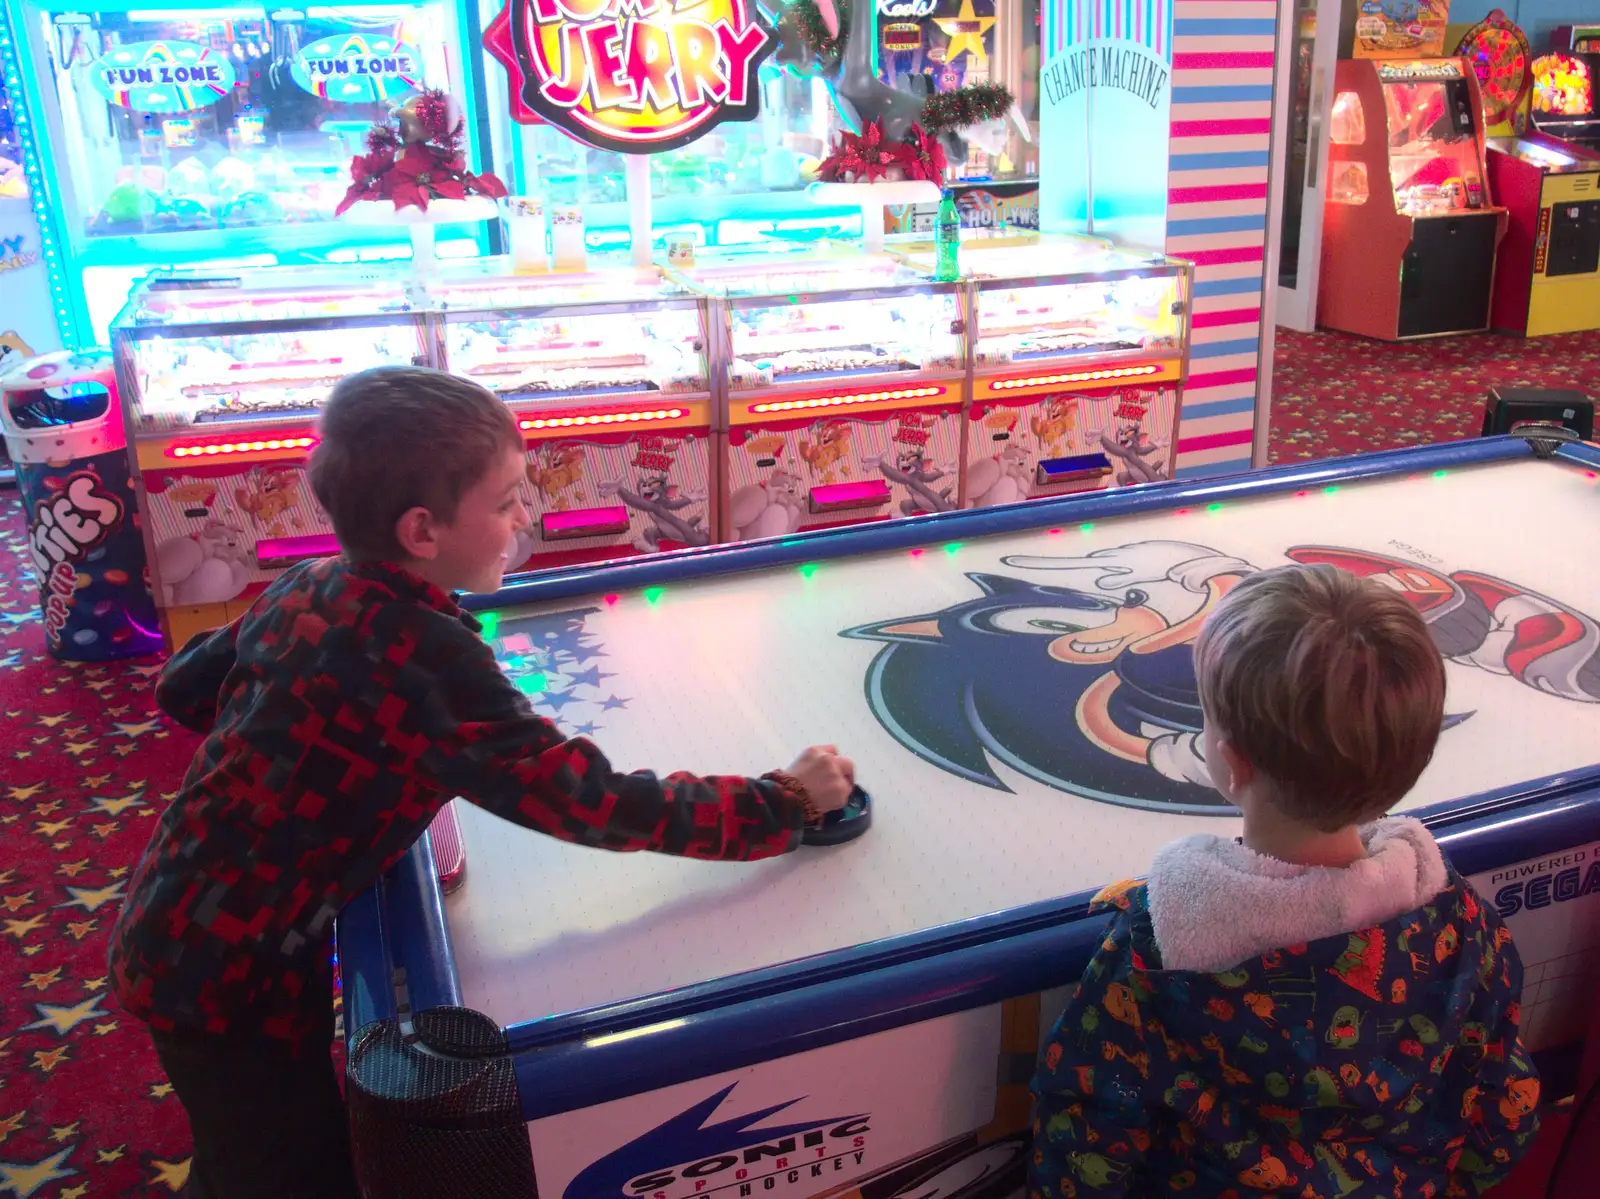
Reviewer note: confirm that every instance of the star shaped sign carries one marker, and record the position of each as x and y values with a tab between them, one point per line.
965	31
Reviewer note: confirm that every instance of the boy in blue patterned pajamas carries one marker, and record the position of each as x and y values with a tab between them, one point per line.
1323	1008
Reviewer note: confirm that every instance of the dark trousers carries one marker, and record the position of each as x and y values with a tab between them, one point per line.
266	1124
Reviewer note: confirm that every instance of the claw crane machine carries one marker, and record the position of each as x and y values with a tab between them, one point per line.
218	136
1411	228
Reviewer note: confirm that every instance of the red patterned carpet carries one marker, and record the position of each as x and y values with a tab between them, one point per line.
1334	394
86	762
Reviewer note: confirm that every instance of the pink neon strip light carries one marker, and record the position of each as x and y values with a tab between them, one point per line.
849	495
295	549
579	521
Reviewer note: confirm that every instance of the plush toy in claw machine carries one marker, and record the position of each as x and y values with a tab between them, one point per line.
64	433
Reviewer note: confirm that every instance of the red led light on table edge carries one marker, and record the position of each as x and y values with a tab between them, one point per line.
1120	372
600	418
855	397
206	449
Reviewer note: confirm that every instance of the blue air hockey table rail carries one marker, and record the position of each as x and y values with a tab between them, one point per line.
1015	685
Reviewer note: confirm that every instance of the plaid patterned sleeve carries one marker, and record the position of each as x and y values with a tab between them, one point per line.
477	736
192	679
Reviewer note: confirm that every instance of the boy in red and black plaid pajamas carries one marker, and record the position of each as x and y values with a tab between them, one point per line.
340	713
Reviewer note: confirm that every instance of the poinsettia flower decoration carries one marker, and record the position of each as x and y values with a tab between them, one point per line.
419	164
876	154
924	156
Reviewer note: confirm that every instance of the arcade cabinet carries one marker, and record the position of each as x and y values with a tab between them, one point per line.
1410	228
1548	277
1564	80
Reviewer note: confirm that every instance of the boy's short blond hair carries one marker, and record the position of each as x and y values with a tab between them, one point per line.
400	437
1328	684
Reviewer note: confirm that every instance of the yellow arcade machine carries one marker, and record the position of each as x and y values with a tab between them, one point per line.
1547	279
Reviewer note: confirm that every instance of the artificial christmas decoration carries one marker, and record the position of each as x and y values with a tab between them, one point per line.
420	162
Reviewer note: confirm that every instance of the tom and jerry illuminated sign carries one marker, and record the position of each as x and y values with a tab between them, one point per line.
632	75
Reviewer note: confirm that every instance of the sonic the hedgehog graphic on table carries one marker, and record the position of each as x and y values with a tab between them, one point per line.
1087	685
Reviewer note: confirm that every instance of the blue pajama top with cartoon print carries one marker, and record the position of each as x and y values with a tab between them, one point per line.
1381	1062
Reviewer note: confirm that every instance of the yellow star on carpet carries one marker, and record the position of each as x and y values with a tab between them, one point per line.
81	928
91	900
77	1192
25	1178
50	722
101	1030
115	807
103	830
123	751
172	1175
98	685
60	846
65	1019
77	748
52	828
97	780
48	809
146	671
29	950
117	872
137	730
94	984
25	793
46	1060
160	1090
43	982
12	902
11	818
11	1123
5	877
24	753
118	712
60	1135
78	732
73	869
965	31
21	928
106	1156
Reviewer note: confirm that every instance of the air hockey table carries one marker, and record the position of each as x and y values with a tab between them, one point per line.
1016	688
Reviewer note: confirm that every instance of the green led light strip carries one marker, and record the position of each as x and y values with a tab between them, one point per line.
33	173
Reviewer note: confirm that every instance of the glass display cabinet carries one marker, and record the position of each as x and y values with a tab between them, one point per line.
607	374
199	134
1078	356
844	378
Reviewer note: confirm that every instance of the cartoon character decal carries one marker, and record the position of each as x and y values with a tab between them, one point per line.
1134	452
1089	687
12	349
556	470
207	568
829	458
1003	478
656	497
1055	423
912	471
771	508
268	494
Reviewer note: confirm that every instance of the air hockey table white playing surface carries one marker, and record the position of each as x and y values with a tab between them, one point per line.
736	673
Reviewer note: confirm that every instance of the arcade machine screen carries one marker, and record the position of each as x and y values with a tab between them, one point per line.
1563	94
222	118
1434	164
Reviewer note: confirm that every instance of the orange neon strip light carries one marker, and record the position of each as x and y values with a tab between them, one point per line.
206	449
601	418
1120	372
860	397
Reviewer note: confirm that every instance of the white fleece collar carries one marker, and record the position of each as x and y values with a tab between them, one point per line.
1215	904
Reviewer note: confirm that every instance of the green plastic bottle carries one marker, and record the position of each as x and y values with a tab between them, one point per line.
947	238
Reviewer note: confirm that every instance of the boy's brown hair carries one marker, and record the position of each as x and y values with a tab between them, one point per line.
400	437
1328	684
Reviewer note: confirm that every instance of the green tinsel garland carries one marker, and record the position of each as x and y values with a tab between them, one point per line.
814	30
965	106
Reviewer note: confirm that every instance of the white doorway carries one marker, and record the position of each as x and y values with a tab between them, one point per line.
1307	52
